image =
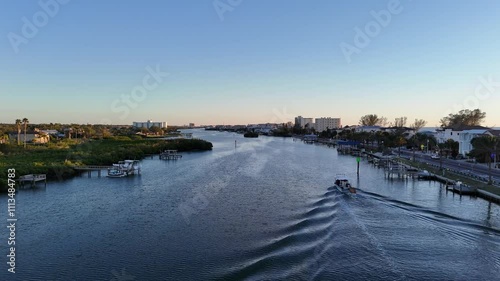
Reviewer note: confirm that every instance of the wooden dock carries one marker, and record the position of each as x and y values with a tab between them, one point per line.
462	189
91	168
488	196
33	179
170	155
399	170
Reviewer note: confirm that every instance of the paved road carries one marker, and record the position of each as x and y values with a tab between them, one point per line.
477	170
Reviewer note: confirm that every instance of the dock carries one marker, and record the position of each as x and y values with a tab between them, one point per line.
462	189
33	179
170	155
395	169
488	196
91	168
400	170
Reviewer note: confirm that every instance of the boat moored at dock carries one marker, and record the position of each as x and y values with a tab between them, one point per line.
124	169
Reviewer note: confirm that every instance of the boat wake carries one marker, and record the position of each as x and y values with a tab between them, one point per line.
325	240
427	214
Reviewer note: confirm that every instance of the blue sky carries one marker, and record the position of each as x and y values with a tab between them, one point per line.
262	61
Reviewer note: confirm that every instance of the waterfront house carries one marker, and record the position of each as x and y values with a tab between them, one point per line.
495	133
466	136
31	137
53	133
406	131
444	134
453	133
463	135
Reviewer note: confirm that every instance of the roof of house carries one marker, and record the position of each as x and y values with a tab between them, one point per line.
50	131
495	132
399	128
426	132
368	127
475	131
464	127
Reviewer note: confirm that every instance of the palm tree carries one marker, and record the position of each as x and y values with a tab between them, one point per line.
25	122
18	124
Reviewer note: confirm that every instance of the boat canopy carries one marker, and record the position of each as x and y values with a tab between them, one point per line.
341	177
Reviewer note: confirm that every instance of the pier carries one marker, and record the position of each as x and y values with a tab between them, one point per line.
91	168
400	170
462	189
170	155
33	179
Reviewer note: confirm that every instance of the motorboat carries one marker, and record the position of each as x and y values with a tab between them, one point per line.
343	185
425	175
116	173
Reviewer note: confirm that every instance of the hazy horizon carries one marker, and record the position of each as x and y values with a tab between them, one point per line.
248	61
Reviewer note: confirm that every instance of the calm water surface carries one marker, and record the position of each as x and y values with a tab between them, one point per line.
261	211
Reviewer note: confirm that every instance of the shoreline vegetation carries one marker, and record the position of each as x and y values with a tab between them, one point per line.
56	159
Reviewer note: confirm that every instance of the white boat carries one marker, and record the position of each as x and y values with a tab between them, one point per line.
424	174
124	168
116	173
343	185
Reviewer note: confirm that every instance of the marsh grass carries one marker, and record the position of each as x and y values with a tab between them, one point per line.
56	159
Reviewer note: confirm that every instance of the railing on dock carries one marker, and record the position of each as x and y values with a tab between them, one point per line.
170	155
90	168
33	179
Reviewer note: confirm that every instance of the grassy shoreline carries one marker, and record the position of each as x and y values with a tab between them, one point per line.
56	160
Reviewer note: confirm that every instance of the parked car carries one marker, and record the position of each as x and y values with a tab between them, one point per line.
434	156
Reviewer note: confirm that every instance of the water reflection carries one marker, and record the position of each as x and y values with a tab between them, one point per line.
267	213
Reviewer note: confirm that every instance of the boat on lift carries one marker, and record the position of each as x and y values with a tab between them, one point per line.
124	169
